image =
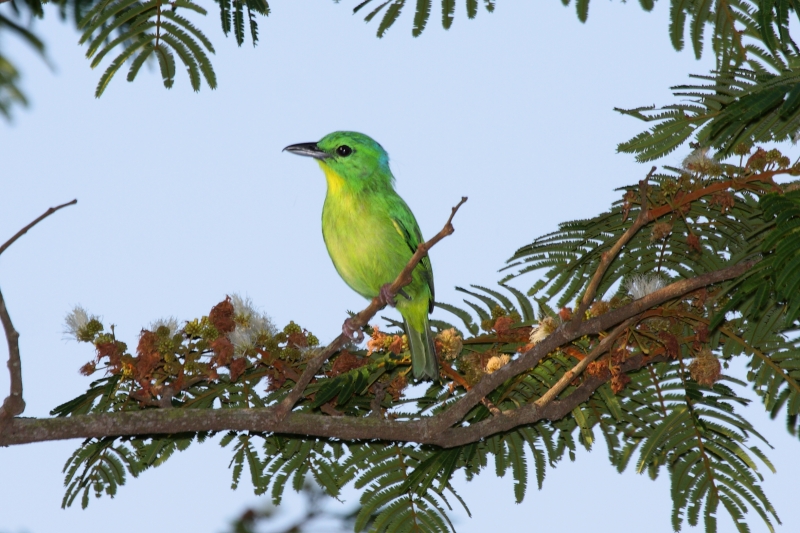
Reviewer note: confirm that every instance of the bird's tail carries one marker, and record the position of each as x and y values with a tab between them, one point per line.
423	354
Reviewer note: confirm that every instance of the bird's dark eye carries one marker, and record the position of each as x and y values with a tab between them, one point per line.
344	150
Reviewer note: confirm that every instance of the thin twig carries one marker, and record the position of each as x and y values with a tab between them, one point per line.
24	230
362	318
608	257
575	371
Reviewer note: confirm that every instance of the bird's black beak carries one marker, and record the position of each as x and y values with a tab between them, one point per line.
307	149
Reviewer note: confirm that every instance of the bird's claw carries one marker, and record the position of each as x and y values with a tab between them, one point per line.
387	298
352	331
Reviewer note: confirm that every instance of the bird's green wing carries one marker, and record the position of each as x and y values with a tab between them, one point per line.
406	225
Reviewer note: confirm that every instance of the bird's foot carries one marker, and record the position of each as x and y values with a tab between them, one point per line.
386	295
352	331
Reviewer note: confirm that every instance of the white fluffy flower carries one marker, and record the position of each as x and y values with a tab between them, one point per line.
641	285
170	323
546	326
76	321
250	324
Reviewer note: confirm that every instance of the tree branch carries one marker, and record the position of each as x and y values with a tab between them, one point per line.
437	430
14	405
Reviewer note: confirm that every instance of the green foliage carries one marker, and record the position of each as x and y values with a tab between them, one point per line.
753	94
10	92
392	9
232	17
388	502
694	432
99	465
133	32
145	30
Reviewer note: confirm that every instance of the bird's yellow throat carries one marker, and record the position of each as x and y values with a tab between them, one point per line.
335	181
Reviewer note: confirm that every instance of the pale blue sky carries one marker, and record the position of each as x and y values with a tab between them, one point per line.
184	198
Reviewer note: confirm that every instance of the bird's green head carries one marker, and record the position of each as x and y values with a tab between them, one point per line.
348	158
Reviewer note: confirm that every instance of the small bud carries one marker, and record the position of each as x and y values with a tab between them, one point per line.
741	149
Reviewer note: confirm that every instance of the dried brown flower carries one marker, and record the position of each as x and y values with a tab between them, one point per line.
237	367
396	346
298	339
88	369
660	231
397	386
706	368
346	362
701	332
221	316
724	199
670	342
113	351
598	369
600	307
148	356
503	325
223	351
619	382
694	242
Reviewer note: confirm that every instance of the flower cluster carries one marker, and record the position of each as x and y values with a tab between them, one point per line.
233	338
381	342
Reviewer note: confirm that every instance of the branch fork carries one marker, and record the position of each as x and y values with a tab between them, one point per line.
14	404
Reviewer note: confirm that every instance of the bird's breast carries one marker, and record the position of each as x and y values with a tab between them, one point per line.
362	241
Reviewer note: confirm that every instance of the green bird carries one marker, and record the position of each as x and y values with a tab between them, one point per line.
371	235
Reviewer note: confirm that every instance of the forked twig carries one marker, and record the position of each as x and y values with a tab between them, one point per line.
362	318
608	257
14	405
